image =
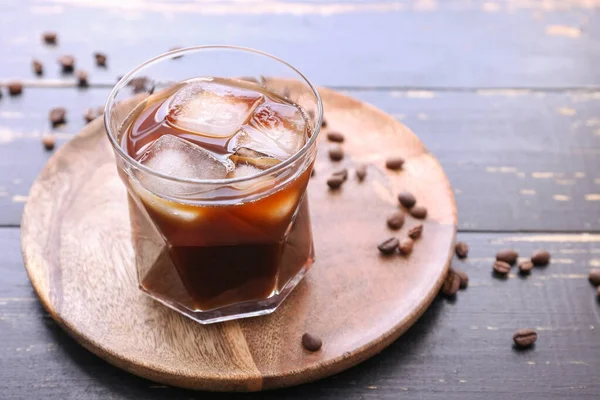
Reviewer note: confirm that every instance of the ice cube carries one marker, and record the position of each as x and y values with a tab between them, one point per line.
244	170
212	109
283	124
244	156
179	158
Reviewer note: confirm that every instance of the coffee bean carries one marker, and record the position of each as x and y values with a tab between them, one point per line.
525	337
406	246
313	172
82	79
90	114
418	212
396	220
595	276
38	67
525	267
342	172
139	84
501	267
48	141
461	249
50	37
451	283
15	88
415	232
394	163
67	62
176	48
323	123
464	278
388	246
507	255
311	342
336	153
57	116
100	59
361	172
335	137
335	181
540	258
407	199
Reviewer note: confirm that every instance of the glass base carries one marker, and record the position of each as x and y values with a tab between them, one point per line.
235	311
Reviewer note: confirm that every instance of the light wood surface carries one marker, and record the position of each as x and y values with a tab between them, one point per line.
76	242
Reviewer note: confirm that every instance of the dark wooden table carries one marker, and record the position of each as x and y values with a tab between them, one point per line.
505	93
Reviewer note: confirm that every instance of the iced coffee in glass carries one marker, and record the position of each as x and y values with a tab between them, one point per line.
216	150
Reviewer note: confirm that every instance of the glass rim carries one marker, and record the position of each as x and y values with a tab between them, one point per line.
110	102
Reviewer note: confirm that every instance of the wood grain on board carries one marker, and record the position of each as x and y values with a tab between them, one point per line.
77	246
532	157
414	43
455	351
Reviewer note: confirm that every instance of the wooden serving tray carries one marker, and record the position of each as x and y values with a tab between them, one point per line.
78	252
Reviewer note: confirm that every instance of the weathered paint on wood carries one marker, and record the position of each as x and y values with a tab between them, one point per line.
415	43
455	351
531	157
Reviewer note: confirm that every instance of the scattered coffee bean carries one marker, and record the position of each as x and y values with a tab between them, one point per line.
82	79
464	278
336	153
176	48
540	258
595	276
507	255
461	249
311	342
501	268
57	116
361	172
15	88
407	199
342	172
451	284
335	181
394	163
323	123
67	62
100	59
415	232
48	141
90	114
396	220
313	172
38	67
139	84
418	212
406	246
388	246
525	337
335	137
525	267
50	37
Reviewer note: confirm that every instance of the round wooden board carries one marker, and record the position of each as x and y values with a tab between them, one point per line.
78	252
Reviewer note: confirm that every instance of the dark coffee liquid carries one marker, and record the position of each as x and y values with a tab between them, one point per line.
228	253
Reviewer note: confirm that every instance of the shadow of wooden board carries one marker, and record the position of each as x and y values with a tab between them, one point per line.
78	251
453	351
382	43
517	159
